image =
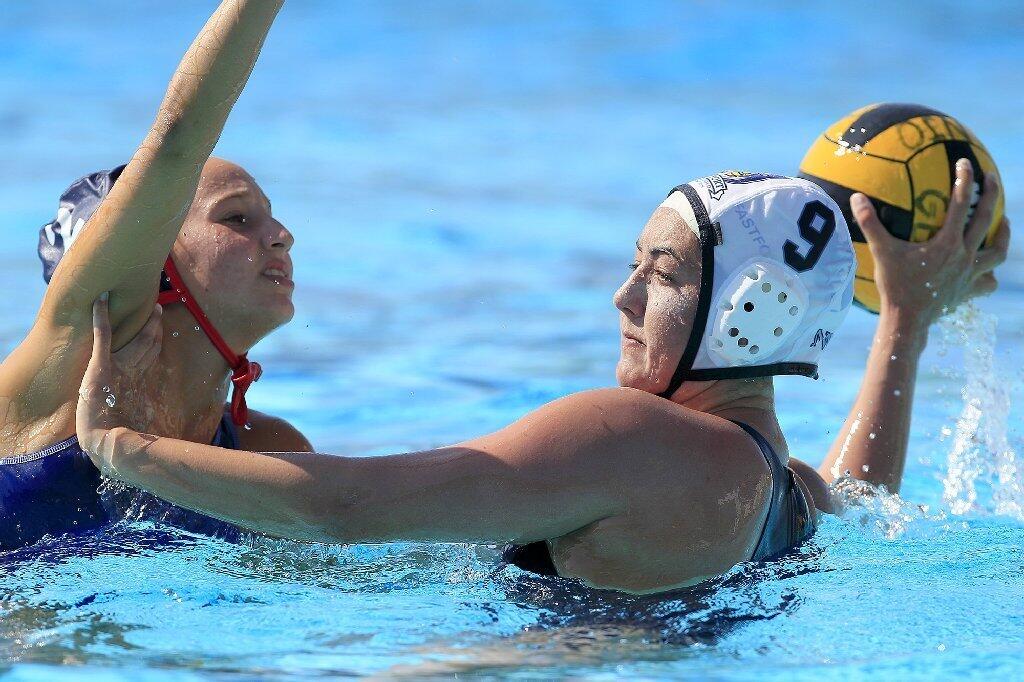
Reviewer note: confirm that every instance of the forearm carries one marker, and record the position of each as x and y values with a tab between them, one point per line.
314	497
872	443
132	233
274	494
210	78
445	495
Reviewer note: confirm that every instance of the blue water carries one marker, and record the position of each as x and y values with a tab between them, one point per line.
465	181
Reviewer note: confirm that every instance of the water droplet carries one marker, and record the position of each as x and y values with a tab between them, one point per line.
892	357
897	392
111	400
196	327
174	334
106	389
871	436
248	427
865	468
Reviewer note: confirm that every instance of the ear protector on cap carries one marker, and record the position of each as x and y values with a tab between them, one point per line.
777	269
757	311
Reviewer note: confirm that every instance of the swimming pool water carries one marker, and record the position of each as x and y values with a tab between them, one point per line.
464	181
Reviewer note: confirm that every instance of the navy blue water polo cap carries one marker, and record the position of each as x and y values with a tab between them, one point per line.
77	205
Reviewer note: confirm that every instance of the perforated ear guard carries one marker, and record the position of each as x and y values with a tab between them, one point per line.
756	312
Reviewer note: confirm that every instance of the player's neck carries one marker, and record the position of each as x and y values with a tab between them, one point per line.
189	383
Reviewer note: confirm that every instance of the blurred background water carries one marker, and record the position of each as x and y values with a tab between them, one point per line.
465	181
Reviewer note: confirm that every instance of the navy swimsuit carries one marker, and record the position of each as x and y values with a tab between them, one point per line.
56	491
790	519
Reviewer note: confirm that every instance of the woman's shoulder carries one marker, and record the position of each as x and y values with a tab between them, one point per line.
267	433
650	426
634	407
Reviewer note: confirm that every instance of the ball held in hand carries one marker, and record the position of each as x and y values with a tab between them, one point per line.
903	157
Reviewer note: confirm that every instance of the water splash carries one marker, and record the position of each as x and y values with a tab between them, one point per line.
879	512
980	457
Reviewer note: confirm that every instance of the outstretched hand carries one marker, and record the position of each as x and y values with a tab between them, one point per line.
921	281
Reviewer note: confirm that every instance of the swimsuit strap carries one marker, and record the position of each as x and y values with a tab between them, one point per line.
779	474
227	434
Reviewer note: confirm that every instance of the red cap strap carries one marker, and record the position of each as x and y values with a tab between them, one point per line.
243	371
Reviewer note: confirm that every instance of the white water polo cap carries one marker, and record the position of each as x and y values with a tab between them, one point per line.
777	269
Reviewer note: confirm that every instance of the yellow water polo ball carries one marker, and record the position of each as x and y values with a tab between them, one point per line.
903	157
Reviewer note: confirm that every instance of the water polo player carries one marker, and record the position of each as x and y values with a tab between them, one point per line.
673	478
225	285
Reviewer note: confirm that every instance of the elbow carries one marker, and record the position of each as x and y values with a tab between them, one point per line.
175	139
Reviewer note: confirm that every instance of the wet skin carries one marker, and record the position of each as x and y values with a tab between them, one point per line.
630	490
172	198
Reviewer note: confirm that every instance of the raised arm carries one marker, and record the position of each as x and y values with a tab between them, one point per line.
123	247
917	283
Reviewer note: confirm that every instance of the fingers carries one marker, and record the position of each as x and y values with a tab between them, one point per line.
868	220
994	254
982	218
959	202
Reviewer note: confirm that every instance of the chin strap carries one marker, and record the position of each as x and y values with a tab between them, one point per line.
708	241
243	371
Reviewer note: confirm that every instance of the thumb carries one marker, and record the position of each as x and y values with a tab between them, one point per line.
867	219
97	374
100	327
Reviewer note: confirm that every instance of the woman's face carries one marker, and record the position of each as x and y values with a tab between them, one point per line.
234	256
657	303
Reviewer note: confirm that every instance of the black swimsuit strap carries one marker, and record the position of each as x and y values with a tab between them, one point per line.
227	434
780	476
